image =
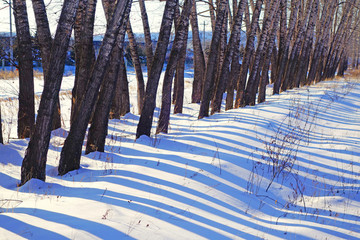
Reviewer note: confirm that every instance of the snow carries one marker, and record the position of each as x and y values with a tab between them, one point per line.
206	179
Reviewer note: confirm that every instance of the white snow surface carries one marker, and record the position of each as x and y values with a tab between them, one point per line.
206	179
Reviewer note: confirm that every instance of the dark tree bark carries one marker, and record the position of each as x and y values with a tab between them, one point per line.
179	84
233	45
124	85
234	75
176	25
274	58
1	134
87	55
176	52
71	152
147	35
249	48
26	113
284	49
144	126
34	163
121	101
45	42
78	29
343	66
281	42
180	78
321	40
303	62
99	125
98	129
338	41
210	73
291	65
254	78
199	59
212	14
115	69
137	66
264	79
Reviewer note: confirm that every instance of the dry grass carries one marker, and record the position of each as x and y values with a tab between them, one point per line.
354	73
38	74
5	75
9	74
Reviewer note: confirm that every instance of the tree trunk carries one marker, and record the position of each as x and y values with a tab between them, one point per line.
45	42
180	78
199	59
321	38
210	73
284	49
99	125
87	56
234	75
264	79
233	45
78	30
124	86
1	133
273	65
338	41
137	66
26	113
254	78
291	66
212	14
249	48
144	126
179	46
71	152
147	35
121	100
303	61
34	163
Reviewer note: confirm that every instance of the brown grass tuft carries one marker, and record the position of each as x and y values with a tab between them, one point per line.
15	74
354	73
38	74
9	74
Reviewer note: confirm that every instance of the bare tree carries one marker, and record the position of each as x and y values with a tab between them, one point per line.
177	49
26	113
137	66
264	79
249	49
254	78
232	47
34	163
45	43
211	67
199	59
71	152
98	129
146	117
147	35
86	52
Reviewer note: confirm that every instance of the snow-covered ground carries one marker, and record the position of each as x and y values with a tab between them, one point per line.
206	179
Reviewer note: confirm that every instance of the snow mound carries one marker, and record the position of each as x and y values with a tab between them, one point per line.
35	186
